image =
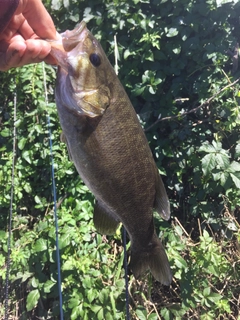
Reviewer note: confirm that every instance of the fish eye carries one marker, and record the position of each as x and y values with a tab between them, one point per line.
95	59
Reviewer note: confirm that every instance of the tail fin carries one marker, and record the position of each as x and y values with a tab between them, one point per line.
154	258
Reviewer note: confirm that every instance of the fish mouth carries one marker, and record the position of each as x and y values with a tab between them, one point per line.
67	41
70	38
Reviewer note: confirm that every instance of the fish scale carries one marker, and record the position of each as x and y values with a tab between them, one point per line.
109	149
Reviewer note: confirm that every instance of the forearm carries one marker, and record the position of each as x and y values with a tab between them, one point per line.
7	9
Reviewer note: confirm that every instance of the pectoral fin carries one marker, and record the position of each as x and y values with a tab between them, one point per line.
104	220
161	204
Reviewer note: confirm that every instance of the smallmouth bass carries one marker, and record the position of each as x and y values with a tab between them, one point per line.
109	149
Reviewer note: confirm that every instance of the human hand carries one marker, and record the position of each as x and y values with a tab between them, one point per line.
20	42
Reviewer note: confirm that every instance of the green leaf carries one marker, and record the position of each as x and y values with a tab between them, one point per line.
153	316
96	308
100	314
151	90
138	90
74	302
27	188
34	282
40	245
214	297
223	178
64	240
177	50
236	180
180	262
222	161
103	296
207	147
91	294
26	276
172	32
206	291
208	163
27	156
234	167
5	132
141	313
48	286
21	143
32	299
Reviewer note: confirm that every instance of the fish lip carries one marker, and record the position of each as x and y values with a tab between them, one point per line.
65	42
75	33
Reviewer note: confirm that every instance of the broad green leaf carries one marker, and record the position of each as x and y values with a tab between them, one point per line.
96	308
217	145
153	316
34	282
32	299
48	286
214	297
223	178
64	240
207	147
222	160
27	156
180	262
68	265
26	276
234	167
103	296
208	163
142	314
100	314
40	245
206	291
91	294
235	179
27	188
21	143
18	122
138	90
151	90
5	132
74	302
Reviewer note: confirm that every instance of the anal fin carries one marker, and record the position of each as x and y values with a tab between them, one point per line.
103	219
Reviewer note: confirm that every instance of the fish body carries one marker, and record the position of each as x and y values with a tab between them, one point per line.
109	149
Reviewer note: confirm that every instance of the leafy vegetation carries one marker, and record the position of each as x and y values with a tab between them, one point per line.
175	63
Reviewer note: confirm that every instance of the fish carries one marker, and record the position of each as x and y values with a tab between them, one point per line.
109	149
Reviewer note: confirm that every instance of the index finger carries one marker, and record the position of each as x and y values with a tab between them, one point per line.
38	18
